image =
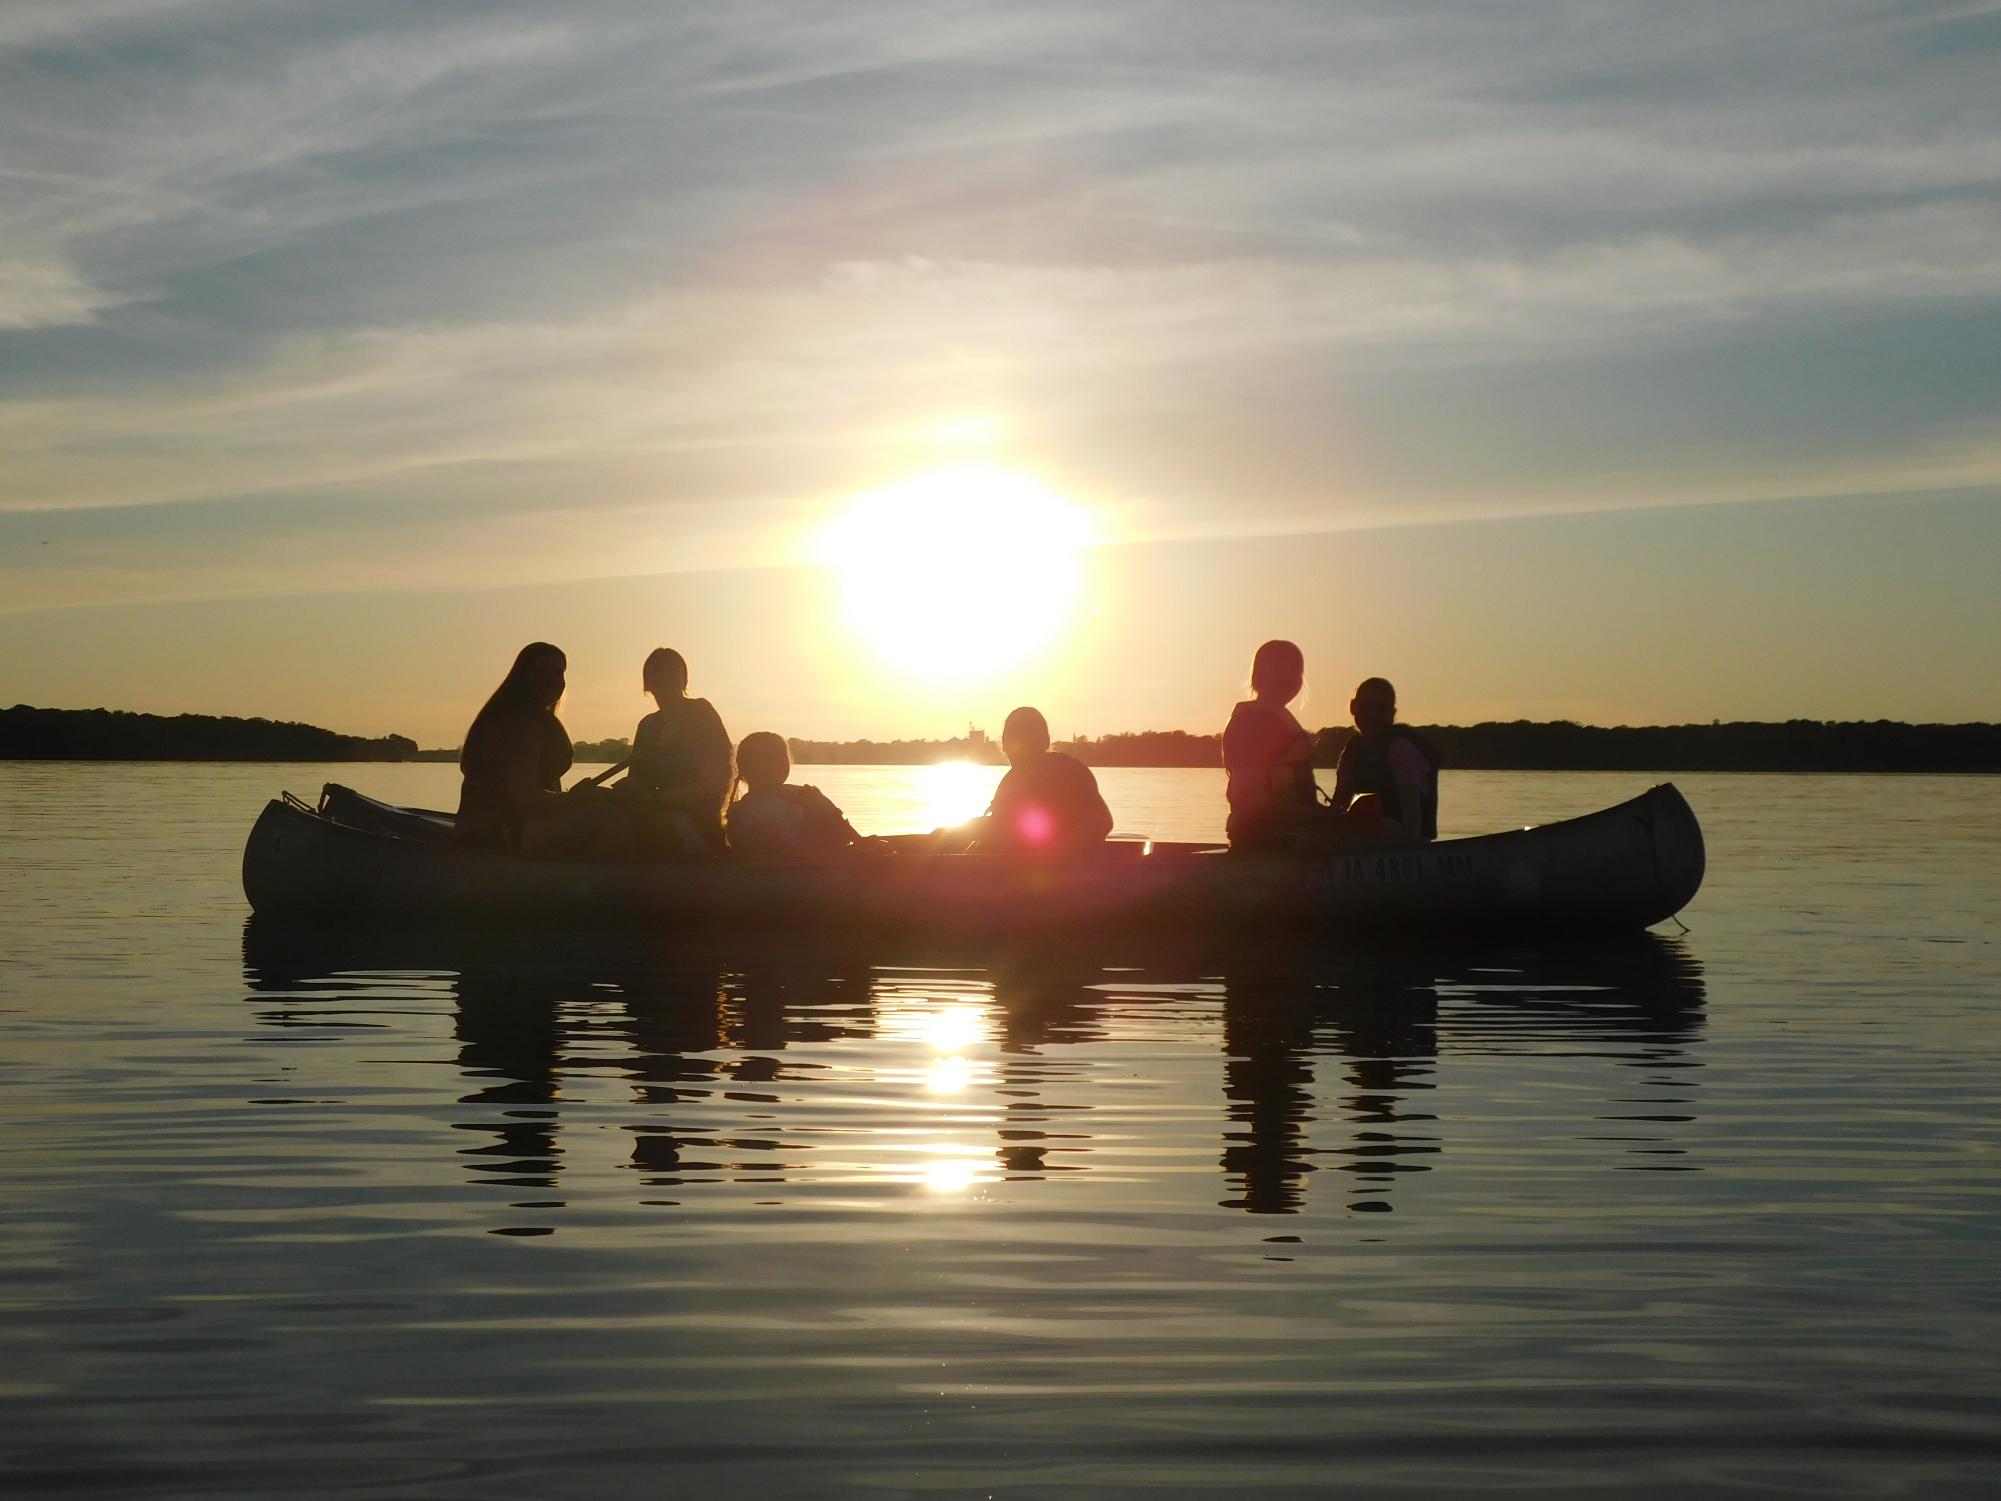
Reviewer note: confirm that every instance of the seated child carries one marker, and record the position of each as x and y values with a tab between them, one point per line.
774	818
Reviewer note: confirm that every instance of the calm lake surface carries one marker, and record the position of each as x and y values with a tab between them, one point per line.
434	1216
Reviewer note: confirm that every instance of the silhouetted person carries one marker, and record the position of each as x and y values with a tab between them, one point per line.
681	773
775	818
673	1030
511	1043
1040	1009
513	762
1274	803
1386	783
1268	1081
1048	803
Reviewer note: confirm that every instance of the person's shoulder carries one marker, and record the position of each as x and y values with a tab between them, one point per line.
1069	766
750	805
703	713
1253	714
1253	721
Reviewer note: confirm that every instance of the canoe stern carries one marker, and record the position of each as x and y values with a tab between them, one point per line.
1680	858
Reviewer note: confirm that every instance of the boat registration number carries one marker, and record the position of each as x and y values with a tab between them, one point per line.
1427	866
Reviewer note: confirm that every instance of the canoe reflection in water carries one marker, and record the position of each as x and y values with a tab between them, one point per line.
1385	1034
869	1075
1385	1016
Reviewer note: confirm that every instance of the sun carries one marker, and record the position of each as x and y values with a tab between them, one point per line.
959	572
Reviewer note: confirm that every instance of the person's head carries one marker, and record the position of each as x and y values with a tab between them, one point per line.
533	685
762	760
535	681
665	675
1374	706
1278	671
1025	735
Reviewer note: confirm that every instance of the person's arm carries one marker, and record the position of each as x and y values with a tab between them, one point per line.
1007	792
1096	824
994	828
841	833
639	765
520	756
1244	757
1344	785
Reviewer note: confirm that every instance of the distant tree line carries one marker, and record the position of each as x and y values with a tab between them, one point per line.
1147	748
114	735
1797	745
977	748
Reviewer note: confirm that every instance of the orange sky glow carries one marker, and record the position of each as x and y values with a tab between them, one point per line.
900	372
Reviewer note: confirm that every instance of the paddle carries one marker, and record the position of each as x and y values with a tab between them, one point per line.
603	776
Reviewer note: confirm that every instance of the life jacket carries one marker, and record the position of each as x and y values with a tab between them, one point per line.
1366	768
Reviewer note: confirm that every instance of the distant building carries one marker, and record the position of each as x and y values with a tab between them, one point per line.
975	735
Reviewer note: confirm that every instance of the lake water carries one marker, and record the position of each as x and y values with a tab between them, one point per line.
1714	1213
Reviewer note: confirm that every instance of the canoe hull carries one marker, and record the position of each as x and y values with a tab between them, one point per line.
1621	869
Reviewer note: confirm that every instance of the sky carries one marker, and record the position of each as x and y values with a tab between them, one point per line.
897	363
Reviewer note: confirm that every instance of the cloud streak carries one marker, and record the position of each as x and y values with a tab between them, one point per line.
346	274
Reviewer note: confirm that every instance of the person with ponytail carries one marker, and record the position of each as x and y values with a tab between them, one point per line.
776	817
512	764
682	771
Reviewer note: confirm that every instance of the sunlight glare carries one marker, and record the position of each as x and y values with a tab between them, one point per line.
950	1175
959	572
950	792
948	1076
953	1029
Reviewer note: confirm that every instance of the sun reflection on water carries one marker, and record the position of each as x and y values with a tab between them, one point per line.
948	1076
946	1080
951	1175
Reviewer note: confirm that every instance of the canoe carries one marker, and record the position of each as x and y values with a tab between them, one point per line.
1618	870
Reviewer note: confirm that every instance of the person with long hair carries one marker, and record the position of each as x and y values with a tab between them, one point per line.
512	764
1274	802
682	770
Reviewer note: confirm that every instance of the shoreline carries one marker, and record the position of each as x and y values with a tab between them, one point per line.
1790	747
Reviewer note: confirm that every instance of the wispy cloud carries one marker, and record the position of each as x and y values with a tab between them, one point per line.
330	272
